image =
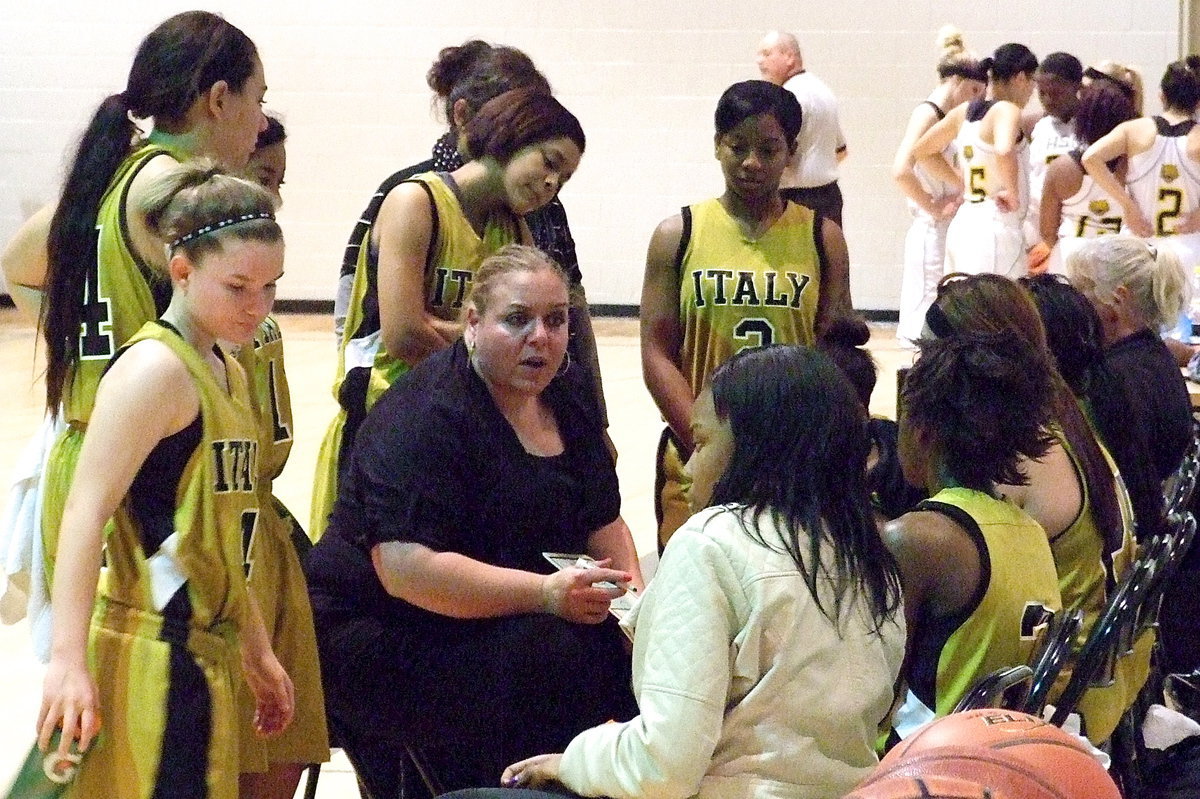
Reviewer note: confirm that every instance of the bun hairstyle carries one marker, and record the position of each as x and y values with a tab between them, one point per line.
1181	84
954	59
987	400
195	207
844	342
505	261
476	71
175	64
1008	61
273	134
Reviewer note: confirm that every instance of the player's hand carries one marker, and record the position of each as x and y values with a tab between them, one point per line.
1138	224
1006	201
948	208
1039	258
1189	222
573	595
533	772
70	700
274	695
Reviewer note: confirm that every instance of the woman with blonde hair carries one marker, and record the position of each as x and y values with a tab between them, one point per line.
933	196
439	620
1138	399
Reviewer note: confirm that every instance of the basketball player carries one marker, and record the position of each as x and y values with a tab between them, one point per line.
1161	195
932	201
170	457
1059	78
741	270
979	579
271	768
96	261
986	232
1075	208
433	232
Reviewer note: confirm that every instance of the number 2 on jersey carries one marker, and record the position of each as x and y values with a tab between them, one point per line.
755	332
1170	201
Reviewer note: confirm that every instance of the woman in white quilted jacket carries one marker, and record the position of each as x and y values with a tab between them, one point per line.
767	645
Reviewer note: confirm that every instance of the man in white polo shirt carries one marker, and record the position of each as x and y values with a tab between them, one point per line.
811	175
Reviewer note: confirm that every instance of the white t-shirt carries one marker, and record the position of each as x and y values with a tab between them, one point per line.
815	162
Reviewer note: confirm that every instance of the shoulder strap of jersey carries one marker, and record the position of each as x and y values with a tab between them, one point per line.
685	236
433	221
819	243
160	289
971	527
1174	131
937	109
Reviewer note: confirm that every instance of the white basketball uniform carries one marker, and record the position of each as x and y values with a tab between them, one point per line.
924	250
981	237
1165	184
1086	214
1050	138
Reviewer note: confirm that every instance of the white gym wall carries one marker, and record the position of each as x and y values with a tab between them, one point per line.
642	75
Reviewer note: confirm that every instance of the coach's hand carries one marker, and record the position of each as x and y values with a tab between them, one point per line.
573	595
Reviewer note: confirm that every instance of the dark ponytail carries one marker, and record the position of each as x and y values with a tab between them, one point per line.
1181	84
175	64
71	245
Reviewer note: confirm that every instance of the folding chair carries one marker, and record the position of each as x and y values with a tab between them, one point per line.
1180	485
1048	661
1131	760
1106	642
1006	688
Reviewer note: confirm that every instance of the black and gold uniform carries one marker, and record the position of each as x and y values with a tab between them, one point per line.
1016	598
1085	574
365	368
164	630
274	573
736	292
120	296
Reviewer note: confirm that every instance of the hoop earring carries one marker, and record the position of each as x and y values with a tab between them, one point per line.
566	364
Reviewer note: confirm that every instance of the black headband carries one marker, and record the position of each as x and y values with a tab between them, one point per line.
224	223
936	321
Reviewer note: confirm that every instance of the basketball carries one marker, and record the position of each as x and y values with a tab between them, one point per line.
999	771
983	727
932	787
1040	745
